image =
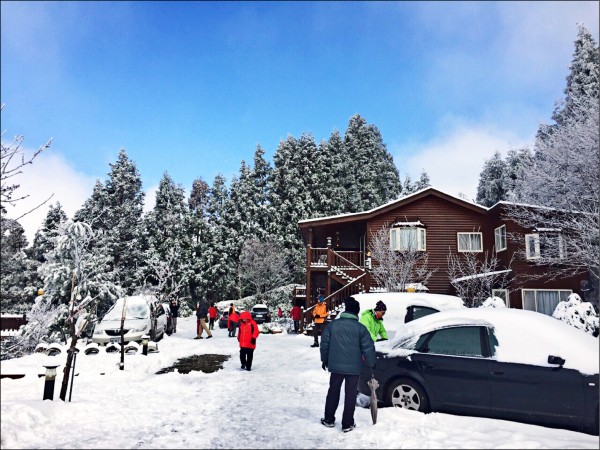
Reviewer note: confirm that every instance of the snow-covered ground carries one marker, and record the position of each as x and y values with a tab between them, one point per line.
276	405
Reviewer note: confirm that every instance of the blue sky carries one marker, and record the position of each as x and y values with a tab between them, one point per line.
192	87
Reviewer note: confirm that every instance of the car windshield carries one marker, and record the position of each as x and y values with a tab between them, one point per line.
134	310
260	310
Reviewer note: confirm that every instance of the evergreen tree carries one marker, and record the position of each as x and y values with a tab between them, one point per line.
44	237
259	180
15	290
491	187
165	230
330	195
518	162
372	176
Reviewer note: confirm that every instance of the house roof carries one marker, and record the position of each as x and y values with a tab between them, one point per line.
351	217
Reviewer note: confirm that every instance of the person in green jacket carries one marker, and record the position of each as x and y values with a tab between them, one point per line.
373	320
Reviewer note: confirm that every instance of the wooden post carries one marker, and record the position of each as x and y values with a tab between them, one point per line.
308	273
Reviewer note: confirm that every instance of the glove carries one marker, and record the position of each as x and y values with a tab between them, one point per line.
324	366
253	341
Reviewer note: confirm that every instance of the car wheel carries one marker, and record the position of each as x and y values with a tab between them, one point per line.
406	393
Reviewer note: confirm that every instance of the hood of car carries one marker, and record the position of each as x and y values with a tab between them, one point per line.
116	324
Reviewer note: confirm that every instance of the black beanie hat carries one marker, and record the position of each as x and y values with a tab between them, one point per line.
352	306
380	306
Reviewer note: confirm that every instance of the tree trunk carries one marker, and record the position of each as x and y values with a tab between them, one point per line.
67	369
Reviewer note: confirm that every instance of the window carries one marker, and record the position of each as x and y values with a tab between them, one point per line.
415	312
500	238
532	246
407	239
547	243
470	242
458	341
544	300
503	294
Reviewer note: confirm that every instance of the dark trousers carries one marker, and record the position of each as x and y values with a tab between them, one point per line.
211	324
333	398
317	330
296	325
246	355
232	327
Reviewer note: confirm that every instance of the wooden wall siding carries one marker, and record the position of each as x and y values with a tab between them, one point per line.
442	220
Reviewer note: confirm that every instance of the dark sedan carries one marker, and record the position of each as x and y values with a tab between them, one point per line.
500	363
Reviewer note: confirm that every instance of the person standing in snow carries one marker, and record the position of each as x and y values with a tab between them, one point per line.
279	312
212	316
201	314
248	333
174	308
296	315
320	314
373	320
232	322
344	345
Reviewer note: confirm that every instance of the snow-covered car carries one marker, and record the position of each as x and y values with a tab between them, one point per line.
144	314
260	313
223	319
501	363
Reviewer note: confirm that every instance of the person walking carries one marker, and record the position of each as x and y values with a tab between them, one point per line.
174	308
344	345
212	316
247	336
373	320
296	314
320	314
232	322
201	314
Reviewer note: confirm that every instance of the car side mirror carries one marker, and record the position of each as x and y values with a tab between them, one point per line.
556	360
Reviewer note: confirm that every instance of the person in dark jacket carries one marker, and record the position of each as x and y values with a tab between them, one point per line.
247	338
344	344
201	314
174	307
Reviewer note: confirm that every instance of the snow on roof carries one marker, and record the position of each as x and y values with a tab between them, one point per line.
390	203
418	223
479	275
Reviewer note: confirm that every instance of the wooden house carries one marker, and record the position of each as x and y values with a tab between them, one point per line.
338	260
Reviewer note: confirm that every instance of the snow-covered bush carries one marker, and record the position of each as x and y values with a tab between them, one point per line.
493	302
577	313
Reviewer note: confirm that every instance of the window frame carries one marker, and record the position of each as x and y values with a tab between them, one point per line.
535	237
535	291
470	233
421	238
506	297
499	233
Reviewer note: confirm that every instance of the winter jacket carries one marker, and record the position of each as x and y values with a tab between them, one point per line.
174	308
374	326
248	331
296	313
320	312
232	320
344	343
212	312
202	311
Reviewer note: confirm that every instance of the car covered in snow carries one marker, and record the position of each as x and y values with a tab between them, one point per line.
143	314
501	363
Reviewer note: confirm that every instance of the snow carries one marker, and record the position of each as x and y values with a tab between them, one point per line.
480	275
276	405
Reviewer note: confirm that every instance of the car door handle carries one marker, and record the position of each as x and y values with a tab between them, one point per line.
426	366
497	372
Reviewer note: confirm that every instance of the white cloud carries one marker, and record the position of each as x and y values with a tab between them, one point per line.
49	174
454	158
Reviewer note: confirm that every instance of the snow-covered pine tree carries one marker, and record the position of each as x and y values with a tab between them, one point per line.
43	241
564	177
14	295
372	175
491	187
330	193
259	179
166	265
518	162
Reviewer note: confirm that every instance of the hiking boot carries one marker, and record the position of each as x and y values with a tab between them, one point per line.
198	337
243	367
327	424
248	369
350	428
208	337
315	345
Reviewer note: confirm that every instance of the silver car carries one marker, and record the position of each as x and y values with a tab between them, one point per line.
140	315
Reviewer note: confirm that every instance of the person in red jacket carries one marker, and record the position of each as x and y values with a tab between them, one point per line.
212	316
247	338
232	322
296	315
